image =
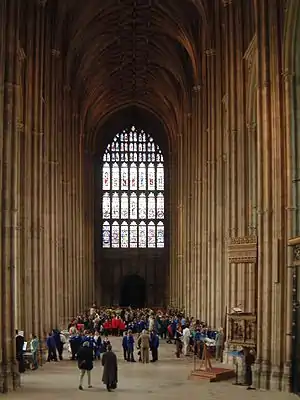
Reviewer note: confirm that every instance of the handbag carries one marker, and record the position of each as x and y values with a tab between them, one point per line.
82	364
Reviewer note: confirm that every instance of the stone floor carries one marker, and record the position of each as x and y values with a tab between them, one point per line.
167	379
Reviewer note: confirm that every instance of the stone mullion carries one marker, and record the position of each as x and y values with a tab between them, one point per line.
36	159
220	206
264	194
9	202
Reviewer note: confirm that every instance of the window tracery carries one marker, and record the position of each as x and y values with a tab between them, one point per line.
133	192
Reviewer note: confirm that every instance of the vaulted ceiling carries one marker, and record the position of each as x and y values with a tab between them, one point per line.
131	52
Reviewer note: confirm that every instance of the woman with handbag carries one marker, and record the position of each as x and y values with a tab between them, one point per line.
85	357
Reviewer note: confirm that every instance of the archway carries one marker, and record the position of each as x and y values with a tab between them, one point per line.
133	291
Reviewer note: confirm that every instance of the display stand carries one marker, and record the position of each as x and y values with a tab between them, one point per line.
205	361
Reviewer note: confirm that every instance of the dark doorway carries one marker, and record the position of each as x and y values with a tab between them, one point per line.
133	291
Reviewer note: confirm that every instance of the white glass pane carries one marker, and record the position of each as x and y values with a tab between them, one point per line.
124	175
124	235
142	207
133	234
160	235
151	234
106	235
115	235
124	206
160	214
133	177
160	177
115	206
151	177
115	177
133	206
106	177
151	206
142	177
142	235
106	206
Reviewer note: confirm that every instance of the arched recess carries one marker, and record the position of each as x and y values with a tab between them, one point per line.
112	261
133	291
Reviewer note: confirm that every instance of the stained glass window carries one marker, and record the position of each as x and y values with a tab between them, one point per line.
142	235
106	206
133	234
133	192
106	234
115	235
124	234
160	235
151	234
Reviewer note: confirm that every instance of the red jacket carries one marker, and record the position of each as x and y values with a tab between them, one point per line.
114	323
122	325
107	325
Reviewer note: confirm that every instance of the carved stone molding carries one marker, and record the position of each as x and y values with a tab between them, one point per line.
242	250
227	2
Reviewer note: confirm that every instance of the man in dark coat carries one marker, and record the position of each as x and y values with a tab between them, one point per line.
110	370
20	351
85	358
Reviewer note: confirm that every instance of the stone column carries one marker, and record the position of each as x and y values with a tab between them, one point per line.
10	162
265	194
197	277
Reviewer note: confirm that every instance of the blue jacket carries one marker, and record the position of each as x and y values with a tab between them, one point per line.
124	342
154	342
130	342
51	342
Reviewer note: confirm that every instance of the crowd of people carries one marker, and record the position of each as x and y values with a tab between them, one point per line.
140	330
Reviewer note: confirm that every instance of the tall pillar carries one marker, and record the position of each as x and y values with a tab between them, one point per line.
265	194
10	160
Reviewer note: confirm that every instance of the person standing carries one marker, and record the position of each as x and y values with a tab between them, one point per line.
144	344
125	346
20	351
186	337
52	356
34	346
110	369
154	344
85	357
219	345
